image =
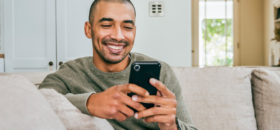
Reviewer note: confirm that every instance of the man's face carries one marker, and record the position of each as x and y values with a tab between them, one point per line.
113	31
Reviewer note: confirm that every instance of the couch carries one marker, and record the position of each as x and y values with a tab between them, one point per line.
218	98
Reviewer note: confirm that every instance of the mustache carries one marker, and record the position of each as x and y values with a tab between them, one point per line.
106	40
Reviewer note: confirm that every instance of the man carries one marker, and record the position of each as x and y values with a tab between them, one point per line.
98	85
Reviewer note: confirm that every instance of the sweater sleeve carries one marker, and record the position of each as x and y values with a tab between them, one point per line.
56	81
171	82
79	100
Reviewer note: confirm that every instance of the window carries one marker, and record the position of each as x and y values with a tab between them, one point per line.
215	33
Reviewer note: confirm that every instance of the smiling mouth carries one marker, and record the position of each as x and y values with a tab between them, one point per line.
115	48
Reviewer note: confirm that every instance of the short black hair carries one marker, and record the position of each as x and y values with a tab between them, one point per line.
95	2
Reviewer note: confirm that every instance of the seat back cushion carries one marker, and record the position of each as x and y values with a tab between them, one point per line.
266	91
71	116
22	106
218	98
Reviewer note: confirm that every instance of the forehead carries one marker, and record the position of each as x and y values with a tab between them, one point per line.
115	10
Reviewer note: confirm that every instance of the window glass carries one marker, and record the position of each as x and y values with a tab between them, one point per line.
216	33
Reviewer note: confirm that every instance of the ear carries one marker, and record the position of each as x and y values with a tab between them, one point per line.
88	30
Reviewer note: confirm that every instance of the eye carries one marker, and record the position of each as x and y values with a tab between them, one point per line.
128	27
106	25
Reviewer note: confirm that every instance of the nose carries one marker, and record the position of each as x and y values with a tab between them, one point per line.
118	34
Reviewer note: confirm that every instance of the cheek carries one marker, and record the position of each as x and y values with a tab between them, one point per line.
130	36
99	34
98	38
104	33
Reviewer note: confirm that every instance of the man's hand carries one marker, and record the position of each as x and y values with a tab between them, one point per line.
164	111
113	103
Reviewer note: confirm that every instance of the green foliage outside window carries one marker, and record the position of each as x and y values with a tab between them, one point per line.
218	42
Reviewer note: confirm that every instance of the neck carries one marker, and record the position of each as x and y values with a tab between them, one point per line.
106	67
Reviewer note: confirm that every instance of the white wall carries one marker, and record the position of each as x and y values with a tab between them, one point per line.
1	65
1	37
1	26
166	38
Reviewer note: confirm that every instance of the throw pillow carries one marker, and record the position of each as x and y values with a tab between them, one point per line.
266	91
218	98
71	116
22	106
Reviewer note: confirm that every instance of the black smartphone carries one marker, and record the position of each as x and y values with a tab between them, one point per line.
140	74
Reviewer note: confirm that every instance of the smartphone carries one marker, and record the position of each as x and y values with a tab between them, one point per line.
140	74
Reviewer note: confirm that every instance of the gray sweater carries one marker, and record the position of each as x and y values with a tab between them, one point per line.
80	78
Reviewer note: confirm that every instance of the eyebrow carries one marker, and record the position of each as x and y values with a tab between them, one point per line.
105	19
129	21
110	20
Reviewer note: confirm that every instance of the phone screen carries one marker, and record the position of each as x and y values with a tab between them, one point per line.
140	74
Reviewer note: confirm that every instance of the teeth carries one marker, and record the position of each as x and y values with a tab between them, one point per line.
115	47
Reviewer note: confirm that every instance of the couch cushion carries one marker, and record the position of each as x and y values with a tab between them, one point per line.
266	91
71	116
35	77
218	98
22	106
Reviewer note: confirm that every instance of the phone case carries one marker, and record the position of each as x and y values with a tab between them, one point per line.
140	74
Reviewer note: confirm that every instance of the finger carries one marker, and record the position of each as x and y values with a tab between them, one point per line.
120	116
162	101
161	88
126	111
155	111
167	119
128	101
135	89
159	94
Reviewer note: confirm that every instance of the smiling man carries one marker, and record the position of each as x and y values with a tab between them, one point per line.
98	85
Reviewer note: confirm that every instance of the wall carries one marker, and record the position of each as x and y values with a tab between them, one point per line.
268	27
1	65
1	27
251	32
166	38
1	38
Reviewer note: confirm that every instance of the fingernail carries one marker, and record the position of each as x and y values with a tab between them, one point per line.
136	115
147	94
153	81
134	97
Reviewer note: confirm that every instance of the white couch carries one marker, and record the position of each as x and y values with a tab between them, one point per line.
218	98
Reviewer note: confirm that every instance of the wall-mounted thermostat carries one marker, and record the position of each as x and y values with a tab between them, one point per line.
156	8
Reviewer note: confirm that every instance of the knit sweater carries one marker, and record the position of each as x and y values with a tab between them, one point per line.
80	78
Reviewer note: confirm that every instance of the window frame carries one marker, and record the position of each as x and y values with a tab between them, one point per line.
195	32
